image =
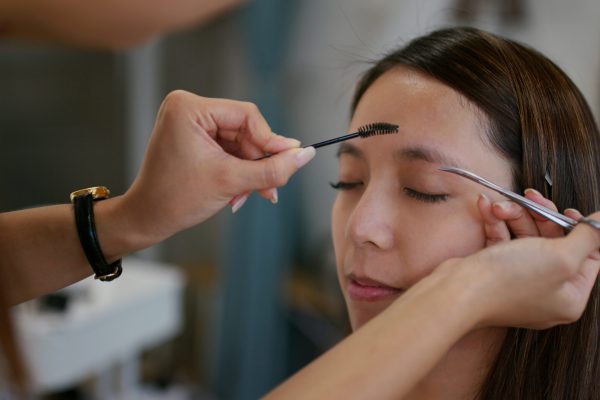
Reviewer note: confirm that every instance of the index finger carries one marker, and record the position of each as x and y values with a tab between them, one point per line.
546	227
238	121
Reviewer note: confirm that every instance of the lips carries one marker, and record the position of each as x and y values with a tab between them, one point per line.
367	289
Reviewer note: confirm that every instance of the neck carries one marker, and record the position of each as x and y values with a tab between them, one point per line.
460	374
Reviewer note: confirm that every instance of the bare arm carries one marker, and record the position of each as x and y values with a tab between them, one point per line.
534	283
388	356
112	24
195	164
41	252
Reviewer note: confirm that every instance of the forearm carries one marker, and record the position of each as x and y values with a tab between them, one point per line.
41	252
109	24
388	356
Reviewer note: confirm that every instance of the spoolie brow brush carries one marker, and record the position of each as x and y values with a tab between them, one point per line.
376	128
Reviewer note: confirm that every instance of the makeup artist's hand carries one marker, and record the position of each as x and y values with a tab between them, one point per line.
532	282
200	157
505	219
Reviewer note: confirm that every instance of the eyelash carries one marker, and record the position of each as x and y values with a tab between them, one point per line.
425	197
344	185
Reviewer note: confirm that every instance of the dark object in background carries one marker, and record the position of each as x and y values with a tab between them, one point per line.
55	302
512	12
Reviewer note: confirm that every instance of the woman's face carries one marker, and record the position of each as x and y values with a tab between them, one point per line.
396	217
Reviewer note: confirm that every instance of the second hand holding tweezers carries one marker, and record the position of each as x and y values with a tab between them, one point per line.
558	218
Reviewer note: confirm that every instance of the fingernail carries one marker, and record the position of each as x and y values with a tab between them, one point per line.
484	197
571	210
274	196
304	156
531	190
239	203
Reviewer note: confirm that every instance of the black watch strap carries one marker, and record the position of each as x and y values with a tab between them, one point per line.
86	228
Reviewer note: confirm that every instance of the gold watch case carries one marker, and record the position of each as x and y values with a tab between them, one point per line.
97	192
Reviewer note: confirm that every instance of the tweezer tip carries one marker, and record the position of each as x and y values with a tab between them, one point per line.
447	168
461	172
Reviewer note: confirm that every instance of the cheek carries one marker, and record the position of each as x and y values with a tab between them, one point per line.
454	236
339	216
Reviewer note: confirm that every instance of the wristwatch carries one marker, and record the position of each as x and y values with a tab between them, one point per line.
83	204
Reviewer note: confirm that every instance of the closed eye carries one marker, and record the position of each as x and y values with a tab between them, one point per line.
345	185
425	197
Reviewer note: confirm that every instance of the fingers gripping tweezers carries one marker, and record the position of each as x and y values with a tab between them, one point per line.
556	217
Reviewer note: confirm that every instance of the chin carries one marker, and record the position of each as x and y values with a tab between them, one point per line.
359	320
362	313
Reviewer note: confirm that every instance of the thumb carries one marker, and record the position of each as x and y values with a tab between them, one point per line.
274	171
584	239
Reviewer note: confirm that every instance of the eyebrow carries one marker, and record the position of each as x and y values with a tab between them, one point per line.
414	153
428	154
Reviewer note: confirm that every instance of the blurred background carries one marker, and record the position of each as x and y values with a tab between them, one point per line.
228	309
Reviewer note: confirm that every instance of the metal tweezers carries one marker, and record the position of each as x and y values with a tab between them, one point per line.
558	218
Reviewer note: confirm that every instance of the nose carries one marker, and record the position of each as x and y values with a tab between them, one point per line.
371	221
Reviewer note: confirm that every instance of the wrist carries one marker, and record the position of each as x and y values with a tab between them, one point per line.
118	231
468	285
456	292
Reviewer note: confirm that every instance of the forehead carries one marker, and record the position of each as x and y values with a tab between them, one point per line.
428	112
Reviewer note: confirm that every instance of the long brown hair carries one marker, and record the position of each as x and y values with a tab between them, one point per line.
540	122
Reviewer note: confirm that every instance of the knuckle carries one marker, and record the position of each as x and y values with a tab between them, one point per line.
251	107
173	102
175	97
274	175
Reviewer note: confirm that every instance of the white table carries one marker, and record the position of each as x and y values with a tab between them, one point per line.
105	329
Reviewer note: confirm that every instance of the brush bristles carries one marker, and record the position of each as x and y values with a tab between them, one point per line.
377	128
